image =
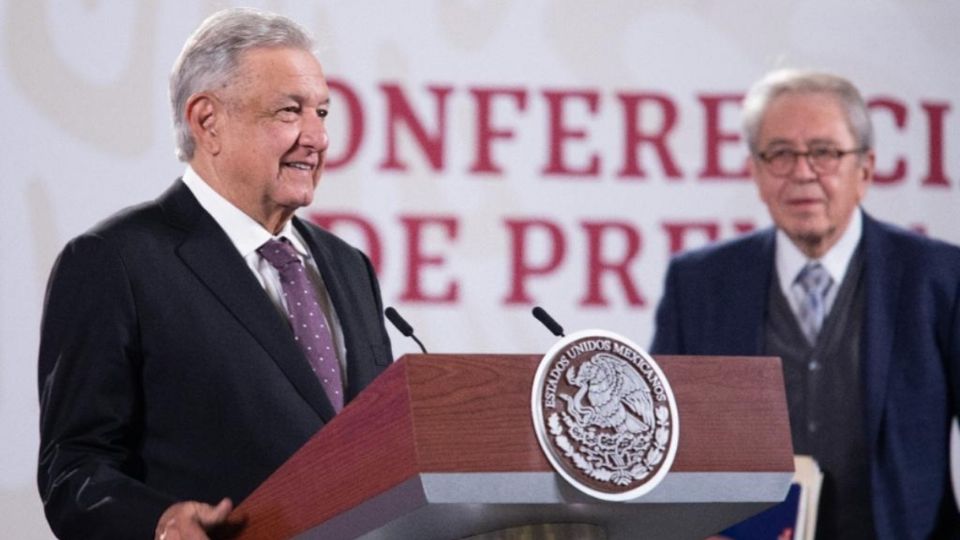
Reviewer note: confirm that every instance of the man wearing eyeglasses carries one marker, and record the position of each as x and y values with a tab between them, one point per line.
865	316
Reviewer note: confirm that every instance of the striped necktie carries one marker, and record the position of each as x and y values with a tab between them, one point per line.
811	286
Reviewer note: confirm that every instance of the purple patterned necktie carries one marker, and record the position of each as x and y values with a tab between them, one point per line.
310	327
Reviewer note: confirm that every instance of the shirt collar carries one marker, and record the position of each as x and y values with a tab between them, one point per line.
790	260
244	232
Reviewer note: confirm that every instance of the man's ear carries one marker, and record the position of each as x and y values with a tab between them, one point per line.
204	113
752	166
867	164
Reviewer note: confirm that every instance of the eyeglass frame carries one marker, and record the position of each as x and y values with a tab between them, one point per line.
834	154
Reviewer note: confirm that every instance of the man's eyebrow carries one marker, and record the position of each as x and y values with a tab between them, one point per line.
818	141
779	142
822	141
300	98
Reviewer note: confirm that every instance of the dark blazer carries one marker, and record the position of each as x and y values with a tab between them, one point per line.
167	374
715	302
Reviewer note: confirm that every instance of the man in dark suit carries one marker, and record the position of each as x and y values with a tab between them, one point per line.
171	382
865	316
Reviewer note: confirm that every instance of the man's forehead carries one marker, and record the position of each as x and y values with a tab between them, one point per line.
283	61
805	117
284	71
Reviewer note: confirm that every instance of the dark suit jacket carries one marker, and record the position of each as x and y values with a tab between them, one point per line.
166	373
715	301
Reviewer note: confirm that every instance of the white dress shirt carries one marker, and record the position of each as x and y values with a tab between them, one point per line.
790	261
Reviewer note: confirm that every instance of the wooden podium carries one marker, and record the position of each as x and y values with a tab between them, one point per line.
443	447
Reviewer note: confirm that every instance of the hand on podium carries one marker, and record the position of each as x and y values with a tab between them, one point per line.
192	520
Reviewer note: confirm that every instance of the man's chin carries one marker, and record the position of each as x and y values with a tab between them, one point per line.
812	240
298	198
804	226
301	202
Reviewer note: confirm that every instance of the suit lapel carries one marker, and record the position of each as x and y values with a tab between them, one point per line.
748	296
208	252
882	272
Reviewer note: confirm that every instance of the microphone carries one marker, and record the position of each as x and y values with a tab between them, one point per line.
403	326
548	321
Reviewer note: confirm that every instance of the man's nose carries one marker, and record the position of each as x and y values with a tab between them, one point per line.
314	133
803	168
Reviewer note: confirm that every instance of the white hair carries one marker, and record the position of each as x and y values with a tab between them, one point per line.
210	57
785	81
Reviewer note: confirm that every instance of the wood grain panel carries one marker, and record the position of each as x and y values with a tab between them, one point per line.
466	413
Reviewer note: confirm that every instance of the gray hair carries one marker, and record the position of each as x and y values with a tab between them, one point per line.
210	57
784	81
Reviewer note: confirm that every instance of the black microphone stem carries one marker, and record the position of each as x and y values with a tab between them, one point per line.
422	348
402	325
545	319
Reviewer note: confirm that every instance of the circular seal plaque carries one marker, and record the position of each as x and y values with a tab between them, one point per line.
605	415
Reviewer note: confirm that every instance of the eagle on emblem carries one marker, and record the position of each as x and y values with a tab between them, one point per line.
618	396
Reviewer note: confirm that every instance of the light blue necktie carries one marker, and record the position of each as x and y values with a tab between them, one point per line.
812	284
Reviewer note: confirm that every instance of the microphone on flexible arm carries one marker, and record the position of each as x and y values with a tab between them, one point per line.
545	318
403	326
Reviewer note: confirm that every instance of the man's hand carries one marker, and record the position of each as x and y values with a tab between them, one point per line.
191	520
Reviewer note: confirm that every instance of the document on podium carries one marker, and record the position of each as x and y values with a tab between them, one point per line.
810	478
793	519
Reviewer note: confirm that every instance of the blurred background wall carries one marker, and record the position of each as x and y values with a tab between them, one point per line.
489	155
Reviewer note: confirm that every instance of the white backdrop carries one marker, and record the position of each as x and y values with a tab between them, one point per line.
493	155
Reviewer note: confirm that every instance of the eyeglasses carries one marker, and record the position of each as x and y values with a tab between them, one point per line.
782	161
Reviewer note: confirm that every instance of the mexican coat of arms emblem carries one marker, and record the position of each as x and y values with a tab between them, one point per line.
605	415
